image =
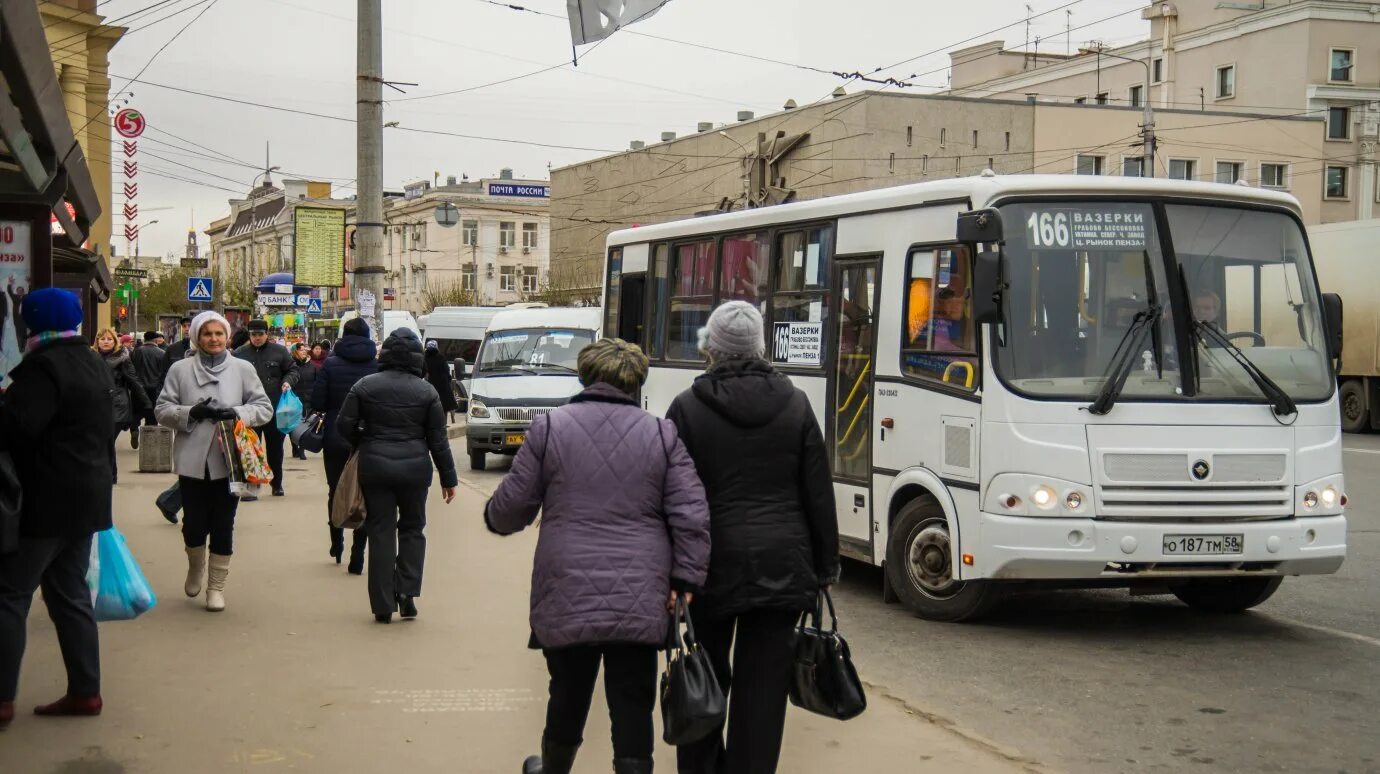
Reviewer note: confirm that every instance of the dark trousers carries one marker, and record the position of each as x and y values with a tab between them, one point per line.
210	512
763	659
629	687
335	465
273	445
397	546
171	498
149	418
59	566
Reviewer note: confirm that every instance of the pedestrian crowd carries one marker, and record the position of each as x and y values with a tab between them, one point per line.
723	521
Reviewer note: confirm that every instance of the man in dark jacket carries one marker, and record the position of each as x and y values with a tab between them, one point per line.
394	419
176	350
56	420
774	532
438	373
278	372
355	356
148	362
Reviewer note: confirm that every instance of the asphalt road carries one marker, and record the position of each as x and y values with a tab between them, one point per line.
1098	681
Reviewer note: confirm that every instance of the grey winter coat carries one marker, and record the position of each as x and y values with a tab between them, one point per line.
194	447
624	520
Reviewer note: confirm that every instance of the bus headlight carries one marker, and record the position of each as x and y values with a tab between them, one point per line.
1310	500
1329	497
1043	497
1037	495
478	410
1073	501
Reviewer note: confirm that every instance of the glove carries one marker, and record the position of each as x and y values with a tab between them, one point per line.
222	414
830	578
202	410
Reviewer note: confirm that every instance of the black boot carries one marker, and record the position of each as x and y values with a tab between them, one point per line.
337	544
357	548
554	759
632	766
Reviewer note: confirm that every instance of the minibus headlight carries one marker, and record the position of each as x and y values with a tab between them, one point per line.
1310	500
1043	497
1329	497
478	410
1073	501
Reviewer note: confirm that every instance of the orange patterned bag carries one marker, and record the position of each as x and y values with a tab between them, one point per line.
253	456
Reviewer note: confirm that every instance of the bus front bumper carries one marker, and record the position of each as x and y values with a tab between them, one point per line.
496	439
1028	548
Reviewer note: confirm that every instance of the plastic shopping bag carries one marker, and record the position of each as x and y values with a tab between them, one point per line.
122	592
289	413
253	456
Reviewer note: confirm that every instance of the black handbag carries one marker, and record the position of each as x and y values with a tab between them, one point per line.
310	433
692	703
825	681
11	503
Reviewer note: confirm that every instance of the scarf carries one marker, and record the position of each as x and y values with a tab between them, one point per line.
208	368
47	337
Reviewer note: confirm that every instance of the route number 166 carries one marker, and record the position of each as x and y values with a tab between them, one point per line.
1048	229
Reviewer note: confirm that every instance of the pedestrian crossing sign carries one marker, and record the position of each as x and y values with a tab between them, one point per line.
314	306
199	289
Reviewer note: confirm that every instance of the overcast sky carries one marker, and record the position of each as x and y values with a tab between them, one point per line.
300	54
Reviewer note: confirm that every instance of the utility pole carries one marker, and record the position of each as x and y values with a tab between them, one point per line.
1147	129
368	268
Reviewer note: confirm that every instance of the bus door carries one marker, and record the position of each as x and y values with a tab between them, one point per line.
632	297
849	415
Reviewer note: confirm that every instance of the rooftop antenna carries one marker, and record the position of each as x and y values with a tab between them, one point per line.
1028	12
1068	32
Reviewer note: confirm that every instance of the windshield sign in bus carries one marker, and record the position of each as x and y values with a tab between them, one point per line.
1086	229
799	343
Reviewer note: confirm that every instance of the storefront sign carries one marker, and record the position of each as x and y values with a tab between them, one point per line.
319	246
525	191
16	266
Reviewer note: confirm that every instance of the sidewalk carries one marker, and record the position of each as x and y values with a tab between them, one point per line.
296	676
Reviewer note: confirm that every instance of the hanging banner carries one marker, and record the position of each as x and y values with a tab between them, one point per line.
319	246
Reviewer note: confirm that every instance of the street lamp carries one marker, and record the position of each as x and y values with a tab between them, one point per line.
135	300
1147	134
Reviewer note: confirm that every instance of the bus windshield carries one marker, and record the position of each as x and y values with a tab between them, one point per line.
1089	280
533	350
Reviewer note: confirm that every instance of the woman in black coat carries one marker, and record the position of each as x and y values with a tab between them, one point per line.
393	419
129	399
774	533
355	357
438	373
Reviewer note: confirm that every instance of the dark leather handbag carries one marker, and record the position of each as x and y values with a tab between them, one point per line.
825	681
692	703
310	433
11	503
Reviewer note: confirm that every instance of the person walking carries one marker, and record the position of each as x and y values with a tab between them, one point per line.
278	373
607	568
438	373
128	397
355	357
169	501
208	387
760	453
148	366
306	381
393	419
319	352
55	420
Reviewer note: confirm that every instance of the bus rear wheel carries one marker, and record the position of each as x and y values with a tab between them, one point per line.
919	567
1352	397
1226	595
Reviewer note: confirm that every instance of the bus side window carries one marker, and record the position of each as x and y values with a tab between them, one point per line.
940	337
660	289
800	294
612	282
692	299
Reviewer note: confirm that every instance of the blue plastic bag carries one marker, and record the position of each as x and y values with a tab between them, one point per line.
122	592
289	413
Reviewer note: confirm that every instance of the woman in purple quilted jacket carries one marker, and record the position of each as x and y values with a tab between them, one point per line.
624	532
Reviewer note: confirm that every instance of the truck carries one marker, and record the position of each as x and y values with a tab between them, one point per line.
1346	255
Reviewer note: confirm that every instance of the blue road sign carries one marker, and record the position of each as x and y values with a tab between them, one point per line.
314	306
200	289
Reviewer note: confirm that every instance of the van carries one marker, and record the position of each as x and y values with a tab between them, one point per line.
526	367
458	330
393	319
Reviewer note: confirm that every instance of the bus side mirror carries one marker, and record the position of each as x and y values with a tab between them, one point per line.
1332	322
987	287
980	226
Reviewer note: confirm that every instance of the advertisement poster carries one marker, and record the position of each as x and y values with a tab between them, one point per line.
238	317
16	252
319	246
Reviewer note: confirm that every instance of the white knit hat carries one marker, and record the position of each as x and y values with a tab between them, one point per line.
734	331
194	335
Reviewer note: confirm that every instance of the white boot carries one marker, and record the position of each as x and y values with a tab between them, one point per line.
196	570
215	582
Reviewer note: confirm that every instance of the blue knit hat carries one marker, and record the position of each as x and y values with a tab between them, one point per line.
51	309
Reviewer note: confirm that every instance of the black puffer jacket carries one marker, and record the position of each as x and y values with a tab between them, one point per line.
760	453
56	420
394	418
127	395
306	381
438	374
354	358
274	365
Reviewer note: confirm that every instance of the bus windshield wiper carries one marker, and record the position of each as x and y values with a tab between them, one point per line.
561	366
1280	401
1123	359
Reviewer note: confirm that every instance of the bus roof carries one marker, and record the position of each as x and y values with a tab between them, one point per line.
980	191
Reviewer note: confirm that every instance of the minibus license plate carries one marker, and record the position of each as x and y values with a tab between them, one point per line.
513	439
1178	545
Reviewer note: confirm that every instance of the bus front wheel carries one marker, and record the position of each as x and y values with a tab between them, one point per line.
1226	595
919	567
476	460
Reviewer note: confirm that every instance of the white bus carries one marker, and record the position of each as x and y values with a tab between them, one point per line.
1090	381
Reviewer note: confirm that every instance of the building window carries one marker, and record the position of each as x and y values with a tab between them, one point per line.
943	137
1157	70
975	138
910	135
1183	169
529	280
1090	165
1339	123
467	277
1008	141
940	337
1080	100
1228	171
1336	183
692	299
1226	82
1274	175
1133	166
1341	66
507	234
1136	96
469	233
1102	98
506	281
529	236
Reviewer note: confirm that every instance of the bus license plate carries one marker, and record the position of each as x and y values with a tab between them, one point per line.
1179	545
513	439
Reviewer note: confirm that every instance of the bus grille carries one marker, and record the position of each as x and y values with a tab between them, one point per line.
1240	487
521	414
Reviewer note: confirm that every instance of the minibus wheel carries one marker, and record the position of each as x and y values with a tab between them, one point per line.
1352	397
919	567
1227	595
476	460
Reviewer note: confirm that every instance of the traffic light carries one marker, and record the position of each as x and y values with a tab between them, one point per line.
124	312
